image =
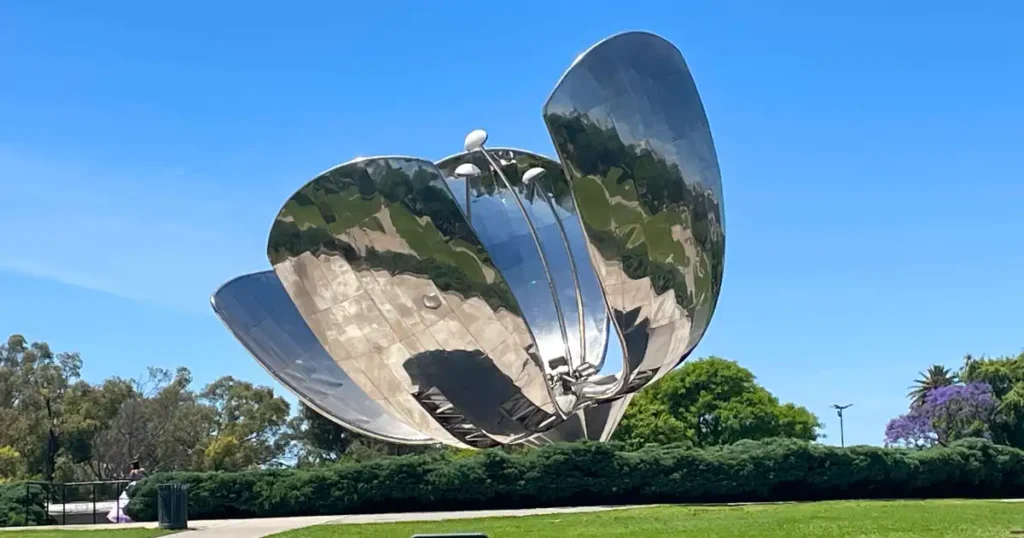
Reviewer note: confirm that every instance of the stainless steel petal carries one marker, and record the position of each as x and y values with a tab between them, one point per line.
596	422
392	280
261	315
503	230
549	205
629	127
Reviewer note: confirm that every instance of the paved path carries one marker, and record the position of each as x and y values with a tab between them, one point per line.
473	514
82	507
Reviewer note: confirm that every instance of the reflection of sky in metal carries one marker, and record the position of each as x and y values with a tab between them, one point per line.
679	129
258	310
637	89
501	227
613	355
551	218
505	249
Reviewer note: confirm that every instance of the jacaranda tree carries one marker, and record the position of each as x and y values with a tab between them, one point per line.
948	413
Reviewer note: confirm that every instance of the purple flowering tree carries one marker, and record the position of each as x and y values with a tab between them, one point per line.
913	430
947	414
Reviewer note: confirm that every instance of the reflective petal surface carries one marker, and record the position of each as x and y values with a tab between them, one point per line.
501	215
263	317
389	276
550	207
501	296
630	129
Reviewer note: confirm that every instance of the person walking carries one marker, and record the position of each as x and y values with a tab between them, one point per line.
116	514
137	472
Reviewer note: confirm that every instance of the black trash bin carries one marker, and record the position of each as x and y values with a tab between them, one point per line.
172	506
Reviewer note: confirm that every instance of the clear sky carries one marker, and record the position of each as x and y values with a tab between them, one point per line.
871	154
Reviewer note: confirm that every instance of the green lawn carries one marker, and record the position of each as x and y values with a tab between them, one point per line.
961	519
55	532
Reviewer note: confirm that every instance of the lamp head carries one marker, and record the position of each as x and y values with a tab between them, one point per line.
476	140
534	173
466	170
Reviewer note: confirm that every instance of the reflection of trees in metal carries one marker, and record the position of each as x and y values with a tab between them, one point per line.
501	218
494	329
629	127
623	188
395	214
394	239
548	204
258	310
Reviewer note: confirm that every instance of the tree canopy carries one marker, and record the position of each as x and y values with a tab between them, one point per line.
56	426
936	376
948	413
984	399
35	386
712	401
1006	377
316	439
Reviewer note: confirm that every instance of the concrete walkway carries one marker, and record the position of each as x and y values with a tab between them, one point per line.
472	514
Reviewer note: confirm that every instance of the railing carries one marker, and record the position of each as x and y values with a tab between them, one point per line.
51	489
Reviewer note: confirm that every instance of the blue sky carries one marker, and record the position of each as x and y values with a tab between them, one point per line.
870	153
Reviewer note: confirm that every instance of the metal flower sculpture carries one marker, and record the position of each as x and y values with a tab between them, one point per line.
499	296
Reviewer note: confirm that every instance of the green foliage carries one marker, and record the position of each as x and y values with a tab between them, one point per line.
1006	377
247	425
57	427
316	440
594	473
12	464
21	505
936	376
35	387
709	402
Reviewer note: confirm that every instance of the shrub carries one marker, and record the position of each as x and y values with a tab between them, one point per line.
11	464
594	473
21	506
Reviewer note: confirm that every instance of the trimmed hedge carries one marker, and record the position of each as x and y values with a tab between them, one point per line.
594	473
17	502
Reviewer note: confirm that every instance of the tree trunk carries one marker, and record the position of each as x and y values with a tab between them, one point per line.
52	446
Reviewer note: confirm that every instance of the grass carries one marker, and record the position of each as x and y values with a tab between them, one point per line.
57	533
962	519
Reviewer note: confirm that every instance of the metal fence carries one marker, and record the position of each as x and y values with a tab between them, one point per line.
86	493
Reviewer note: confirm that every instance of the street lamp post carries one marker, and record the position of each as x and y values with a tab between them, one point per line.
839	409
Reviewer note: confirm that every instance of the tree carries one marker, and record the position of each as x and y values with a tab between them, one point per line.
315	439
34	385
936	376
649	421
947	414
12	465
708	402
95	409
156	419
247	427
1006	377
